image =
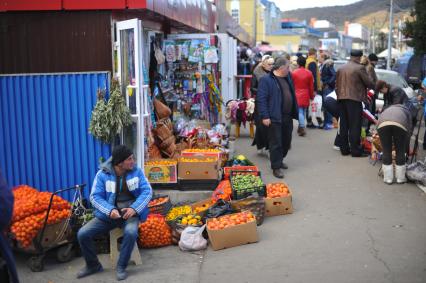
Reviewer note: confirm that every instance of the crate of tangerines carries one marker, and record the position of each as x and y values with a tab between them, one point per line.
160	204
232	230
278	200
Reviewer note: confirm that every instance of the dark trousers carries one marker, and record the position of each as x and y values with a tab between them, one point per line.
397	136
279	139
328	116
350	126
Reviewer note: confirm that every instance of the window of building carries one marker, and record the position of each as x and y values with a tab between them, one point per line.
235	13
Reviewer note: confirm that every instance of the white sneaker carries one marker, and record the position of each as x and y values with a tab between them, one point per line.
336	148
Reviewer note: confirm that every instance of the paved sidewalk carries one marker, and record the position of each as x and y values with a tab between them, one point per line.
348	226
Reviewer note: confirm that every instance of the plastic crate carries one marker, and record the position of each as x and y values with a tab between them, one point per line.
246	192
227	170
198	185
162	208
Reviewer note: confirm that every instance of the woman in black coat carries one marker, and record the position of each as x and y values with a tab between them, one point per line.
261	134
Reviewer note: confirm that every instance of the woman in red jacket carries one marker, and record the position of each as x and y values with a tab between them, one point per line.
304	86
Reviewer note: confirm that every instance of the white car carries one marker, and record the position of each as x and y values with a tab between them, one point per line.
393	78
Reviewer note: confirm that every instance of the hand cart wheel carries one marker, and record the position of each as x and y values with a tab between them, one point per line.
36	263
65	253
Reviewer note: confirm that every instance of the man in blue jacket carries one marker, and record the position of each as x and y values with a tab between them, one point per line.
277	108
120	196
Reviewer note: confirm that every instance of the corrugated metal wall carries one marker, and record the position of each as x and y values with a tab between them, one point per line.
44	120
55	41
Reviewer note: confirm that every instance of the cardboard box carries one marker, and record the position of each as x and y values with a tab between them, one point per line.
161	174
233	236
186	153
279	206
200	170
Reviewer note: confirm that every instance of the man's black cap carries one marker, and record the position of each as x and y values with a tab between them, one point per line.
356	53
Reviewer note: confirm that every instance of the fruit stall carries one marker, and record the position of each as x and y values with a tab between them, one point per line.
239	203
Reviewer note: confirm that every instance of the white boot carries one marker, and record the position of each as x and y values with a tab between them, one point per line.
388	174
400	174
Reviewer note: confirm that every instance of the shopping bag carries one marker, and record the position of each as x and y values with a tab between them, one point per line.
192	239
316	106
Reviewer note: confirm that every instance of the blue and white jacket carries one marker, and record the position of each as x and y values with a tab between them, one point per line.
103	194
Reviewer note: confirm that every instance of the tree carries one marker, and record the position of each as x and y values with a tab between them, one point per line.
416	29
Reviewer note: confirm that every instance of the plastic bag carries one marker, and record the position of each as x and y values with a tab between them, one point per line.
416	172
192	239
221	207
315	107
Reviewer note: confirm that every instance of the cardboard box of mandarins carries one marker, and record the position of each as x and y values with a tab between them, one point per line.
224	232
278	200
198	168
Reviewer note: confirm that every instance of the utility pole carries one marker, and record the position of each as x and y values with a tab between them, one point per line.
255	22
390	36
374	35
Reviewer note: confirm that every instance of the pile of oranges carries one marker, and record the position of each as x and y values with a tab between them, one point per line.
230	220
277	190
214	150
159	162
29	212
154	232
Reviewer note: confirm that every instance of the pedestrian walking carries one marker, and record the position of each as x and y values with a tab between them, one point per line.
328	80
352	82
277	109
312	65
371	64
261	133
394	129
304	87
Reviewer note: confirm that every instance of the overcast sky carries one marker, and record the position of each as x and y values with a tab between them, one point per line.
286	5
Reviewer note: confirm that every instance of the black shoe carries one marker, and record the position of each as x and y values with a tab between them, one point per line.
363	154
311	126
284	166
345	152
278	173
86	271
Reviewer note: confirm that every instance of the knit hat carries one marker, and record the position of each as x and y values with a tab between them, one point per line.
120	153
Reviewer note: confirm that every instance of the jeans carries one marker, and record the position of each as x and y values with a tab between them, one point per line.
279	138
97	227
302	113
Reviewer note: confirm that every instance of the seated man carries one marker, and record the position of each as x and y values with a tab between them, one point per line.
120	197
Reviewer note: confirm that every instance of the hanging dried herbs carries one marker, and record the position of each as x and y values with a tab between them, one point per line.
109	118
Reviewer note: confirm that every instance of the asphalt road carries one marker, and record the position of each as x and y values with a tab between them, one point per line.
348	226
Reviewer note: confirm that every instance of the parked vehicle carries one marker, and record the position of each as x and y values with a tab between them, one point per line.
339	63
